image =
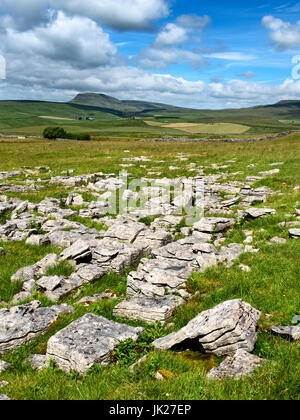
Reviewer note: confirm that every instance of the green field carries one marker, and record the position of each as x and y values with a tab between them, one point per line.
135	119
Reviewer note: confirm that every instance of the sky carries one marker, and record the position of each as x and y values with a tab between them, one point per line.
205	55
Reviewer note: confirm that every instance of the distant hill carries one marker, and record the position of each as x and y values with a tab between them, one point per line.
102	114
108	102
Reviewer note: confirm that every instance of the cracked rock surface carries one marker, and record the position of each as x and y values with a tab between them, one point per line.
87	341
21	324
148	309
238	365
221	330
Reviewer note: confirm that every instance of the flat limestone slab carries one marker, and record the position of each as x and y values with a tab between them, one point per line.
294	233
236	366
21	324
290	332
148	309
89	340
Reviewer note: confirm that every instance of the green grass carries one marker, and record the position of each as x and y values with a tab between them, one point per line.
115	118
272	286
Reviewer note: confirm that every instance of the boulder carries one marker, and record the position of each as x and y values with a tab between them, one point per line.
238	365
291	332
148	240
28	273
38	361
87	341
294	233
221	330
148	309
125	230
80	252
155	277
114	256
58	287
254	213
3	366
213	224
21	324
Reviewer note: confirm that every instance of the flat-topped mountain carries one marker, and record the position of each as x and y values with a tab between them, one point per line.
108	102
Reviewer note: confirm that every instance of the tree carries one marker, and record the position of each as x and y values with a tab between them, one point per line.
54	133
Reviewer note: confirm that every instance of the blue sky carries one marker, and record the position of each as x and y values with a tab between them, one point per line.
216	55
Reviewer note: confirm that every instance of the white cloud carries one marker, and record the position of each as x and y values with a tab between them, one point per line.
193	23
232	56
118	14
91	47
284	35
171	45
44	80
171	35
162	58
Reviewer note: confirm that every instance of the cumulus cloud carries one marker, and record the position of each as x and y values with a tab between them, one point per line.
118	14
91	47
44	80
171	46
193	23
172	34
162	58
24	14
284	35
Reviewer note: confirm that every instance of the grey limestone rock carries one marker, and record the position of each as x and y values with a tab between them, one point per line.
125	230
221	330
294	233
88	300
80	252
87	341
21	324
213	224
38	361
238	365
254	213
3	366
57	287
155	276
38	269
148	309
290	332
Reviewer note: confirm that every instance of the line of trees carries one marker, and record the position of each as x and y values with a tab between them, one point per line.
53	133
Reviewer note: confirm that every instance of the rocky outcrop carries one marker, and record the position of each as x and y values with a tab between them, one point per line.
221	330
172	265
87	341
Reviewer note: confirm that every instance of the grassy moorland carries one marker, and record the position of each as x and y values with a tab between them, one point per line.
272	286
108	116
